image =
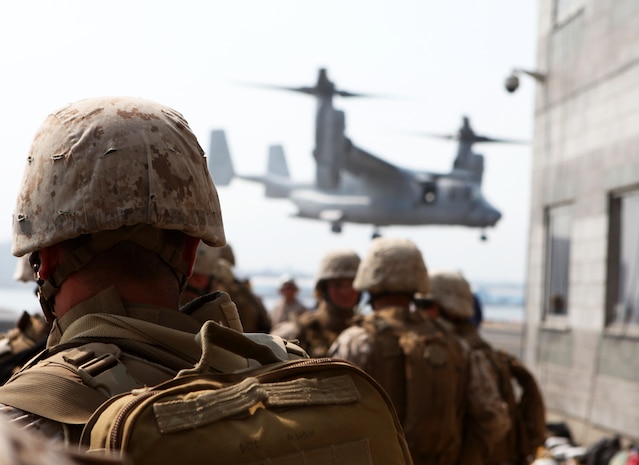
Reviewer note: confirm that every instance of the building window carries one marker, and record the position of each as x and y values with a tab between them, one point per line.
559	227
623	259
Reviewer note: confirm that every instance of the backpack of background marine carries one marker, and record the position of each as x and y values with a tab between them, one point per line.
527	410
423	370
315	411
531	405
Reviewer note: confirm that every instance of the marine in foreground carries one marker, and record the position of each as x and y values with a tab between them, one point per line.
115	199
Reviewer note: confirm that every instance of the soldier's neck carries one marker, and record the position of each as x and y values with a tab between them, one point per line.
75	290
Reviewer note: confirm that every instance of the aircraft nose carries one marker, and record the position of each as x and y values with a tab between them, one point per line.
495	216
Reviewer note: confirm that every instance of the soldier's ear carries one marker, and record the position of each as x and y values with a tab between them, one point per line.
190	250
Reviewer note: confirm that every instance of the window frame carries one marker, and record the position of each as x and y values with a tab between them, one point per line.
614	260
551	214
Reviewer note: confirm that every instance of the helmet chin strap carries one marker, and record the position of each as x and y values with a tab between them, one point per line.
45	303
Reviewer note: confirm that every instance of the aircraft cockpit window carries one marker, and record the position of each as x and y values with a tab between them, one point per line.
462	193
429	192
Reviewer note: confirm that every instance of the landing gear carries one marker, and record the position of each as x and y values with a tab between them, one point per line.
376	233
336	228
483	237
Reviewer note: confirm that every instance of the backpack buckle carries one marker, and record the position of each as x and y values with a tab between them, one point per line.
107	374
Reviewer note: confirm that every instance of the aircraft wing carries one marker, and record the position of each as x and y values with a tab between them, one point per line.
362	163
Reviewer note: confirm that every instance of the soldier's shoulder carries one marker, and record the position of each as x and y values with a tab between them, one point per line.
353	333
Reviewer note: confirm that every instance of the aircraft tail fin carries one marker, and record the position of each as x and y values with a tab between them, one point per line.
277	161
277	175
219	161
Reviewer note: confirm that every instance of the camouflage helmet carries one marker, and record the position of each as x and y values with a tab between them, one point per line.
104	163
338	263
223	271
392	265
209	263
206	258
226	252
451	291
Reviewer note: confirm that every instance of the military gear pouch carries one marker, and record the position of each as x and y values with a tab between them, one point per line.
317	411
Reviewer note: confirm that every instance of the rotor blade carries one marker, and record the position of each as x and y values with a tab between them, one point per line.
304	90
311	90
433	135
499	141
471	139
344	93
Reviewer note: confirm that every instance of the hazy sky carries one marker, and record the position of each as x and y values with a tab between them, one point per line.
445	59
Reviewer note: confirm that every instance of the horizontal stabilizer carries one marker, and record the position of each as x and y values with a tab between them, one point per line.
219	160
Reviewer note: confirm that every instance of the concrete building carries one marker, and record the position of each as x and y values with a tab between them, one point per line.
582	307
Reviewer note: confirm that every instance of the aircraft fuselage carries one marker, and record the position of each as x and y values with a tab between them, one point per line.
444	203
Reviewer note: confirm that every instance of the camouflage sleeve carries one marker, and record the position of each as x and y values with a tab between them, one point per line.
487	419
353	345
30	422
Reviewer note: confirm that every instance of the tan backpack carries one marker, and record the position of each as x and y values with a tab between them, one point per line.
424	372
317	411
530	419
519	390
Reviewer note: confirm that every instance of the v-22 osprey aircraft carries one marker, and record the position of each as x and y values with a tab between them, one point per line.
354	186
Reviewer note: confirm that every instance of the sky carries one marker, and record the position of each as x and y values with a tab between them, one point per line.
441	60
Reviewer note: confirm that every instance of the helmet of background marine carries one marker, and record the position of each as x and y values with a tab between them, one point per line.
336	264
392	265
451	291
24	271
226	252
115	168
209	263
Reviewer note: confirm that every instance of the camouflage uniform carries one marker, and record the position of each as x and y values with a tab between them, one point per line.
21	447
255	317
287	311
469	417
21	343
316	330
106	177
452	294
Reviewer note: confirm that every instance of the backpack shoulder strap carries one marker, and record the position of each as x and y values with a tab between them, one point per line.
68	384
216	306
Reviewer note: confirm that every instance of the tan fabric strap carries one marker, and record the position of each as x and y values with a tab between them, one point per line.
42	394
103	326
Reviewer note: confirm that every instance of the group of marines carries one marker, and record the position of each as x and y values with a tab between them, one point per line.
123	229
